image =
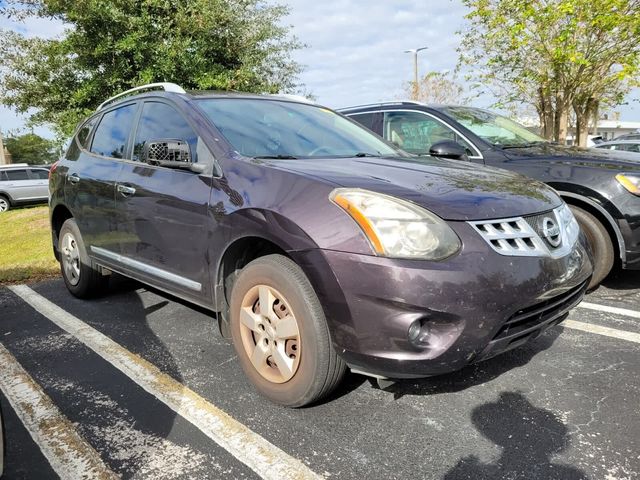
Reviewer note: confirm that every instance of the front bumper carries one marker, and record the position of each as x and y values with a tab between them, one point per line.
476	304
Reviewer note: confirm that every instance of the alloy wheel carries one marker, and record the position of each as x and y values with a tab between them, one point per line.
71	258
4	205
270	333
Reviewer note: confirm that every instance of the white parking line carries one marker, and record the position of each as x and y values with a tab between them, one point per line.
607	309
606	331
258	454
68	454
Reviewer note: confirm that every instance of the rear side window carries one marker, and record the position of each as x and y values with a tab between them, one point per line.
39	174
160	121
3	176
110	139
85	131
373	121
17	175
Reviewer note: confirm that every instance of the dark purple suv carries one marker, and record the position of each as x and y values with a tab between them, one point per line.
319	245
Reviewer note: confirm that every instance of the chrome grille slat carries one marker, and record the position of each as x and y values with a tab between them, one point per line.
522	236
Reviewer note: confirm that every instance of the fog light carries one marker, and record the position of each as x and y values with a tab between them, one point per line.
414	331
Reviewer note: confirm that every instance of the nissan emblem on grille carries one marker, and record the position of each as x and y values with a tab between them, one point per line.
551	231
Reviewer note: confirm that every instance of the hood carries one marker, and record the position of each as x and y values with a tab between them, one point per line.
452	190
592	157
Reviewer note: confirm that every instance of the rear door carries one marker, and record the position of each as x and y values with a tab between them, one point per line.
162	211
40	179
92	166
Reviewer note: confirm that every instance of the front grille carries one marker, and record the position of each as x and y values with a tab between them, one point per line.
524	236
528	318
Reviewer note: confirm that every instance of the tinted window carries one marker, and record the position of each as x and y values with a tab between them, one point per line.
39	174
160	121
110	139
3	176
415	132
17	175
373	121
85	131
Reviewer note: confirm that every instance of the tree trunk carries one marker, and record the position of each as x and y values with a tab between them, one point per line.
561	120
582	127
545	112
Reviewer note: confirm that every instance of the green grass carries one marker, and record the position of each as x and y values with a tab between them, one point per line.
25	246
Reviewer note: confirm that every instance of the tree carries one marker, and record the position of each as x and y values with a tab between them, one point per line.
557	55
436	87
32	149
111	46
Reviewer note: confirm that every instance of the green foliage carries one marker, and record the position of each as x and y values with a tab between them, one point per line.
32	149
555	53
110	46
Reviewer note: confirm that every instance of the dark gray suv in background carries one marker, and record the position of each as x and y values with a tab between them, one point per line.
319	245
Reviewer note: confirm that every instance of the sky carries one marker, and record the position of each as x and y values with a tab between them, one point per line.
355	49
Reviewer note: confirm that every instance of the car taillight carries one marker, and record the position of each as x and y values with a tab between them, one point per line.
53	168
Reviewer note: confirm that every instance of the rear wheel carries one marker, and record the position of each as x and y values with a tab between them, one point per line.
81	279
600	243
280	333
4	204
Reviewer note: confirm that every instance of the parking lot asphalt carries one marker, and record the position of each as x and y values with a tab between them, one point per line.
139	385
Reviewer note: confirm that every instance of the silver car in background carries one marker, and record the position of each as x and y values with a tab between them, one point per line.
22	184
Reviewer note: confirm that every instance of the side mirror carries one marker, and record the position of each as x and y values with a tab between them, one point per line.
449	149
170	153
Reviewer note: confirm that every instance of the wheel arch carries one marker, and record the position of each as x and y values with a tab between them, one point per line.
601	214
59	215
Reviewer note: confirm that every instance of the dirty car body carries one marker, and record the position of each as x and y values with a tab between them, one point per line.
515	266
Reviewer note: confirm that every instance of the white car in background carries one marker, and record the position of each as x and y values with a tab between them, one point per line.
621	145
23	184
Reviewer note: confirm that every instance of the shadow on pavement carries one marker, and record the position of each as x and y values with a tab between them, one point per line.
479	373
529	437
622	280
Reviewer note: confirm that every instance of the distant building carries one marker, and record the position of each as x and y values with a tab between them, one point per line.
610	129
5	155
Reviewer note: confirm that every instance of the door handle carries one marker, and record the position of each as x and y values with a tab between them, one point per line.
126	191
74	178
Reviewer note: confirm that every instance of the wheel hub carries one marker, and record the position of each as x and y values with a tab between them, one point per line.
70	258
270	334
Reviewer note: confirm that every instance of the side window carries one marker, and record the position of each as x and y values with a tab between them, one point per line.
373	121
415	132
17	175
38	174
110	139
85	131
3	177
160	121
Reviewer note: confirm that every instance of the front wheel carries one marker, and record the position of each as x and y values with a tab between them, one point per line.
600	242
280	333
4	204
81	279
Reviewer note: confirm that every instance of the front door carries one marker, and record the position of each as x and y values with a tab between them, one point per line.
162	212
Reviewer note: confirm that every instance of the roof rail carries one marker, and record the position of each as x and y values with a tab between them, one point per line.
380	104
166	86
16	165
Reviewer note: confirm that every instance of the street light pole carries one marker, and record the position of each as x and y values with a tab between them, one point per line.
415	51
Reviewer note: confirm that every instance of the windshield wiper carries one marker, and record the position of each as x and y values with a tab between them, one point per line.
365	154
277	157
520	145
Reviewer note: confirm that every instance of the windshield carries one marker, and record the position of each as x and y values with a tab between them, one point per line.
265	128
493	128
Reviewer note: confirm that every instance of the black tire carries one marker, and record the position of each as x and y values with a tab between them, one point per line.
88	282
5	204
600	242
319	368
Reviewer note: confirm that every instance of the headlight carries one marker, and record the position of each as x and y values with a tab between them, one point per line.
569	224
630	182
397	228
